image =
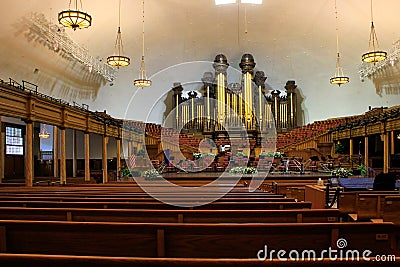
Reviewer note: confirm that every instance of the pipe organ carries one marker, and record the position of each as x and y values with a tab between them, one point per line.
217	102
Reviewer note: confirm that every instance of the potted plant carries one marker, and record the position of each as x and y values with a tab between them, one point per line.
126	172
362	169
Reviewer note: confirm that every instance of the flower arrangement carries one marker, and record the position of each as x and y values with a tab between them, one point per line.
243	170
202	155
241	154
342	172
276	155
151	174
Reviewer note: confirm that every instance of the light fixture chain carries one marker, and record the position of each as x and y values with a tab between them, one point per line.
372	13
238	24
337	29
119	13
339	77
143	30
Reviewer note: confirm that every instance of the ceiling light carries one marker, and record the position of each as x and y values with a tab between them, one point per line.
74	19
339	77
374	55
43	133
118	60
142	81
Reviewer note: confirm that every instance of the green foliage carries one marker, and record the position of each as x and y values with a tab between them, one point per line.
151	174
130	173
202	155
126	172
339	148
241	154
363	170
276	155
243	170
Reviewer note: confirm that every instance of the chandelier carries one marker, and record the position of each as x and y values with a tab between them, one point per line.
118	60
142	81
44	133
374	55
339	77
74	19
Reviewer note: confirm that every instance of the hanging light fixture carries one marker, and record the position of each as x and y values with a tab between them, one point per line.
74	18
142	81
44	133
374	55
339	77
118	60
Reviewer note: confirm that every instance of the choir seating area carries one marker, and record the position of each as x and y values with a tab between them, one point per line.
307	131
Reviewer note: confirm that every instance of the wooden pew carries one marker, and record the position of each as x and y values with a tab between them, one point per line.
158	205
239	241
36	260
147	198
364	205
391	210
170	216
348	201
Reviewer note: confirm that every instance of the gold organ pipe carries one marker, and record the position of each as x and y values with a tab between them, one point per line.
260	107
208	103
185	114
285	111
248	98
221	97
177	111
235	106
228	106
292	111
240	106
192	110
276	112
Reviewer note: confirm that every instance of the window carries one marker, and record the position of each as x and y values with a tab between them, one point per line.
14	141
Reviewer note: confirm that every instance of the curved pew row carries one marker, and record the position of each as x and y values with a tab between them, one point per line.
170	216
159	205
189	240
36	260
172	199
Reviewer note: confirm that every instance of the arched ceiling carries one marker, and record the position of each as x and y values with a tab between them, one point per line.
290	40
